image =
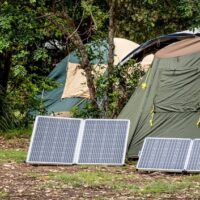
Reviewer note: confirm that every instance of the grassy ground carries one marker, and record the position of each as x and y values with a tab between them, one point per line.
22	181
17	133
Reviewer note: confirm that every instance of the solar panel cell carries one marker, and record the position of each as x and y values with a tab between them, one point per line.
54	140
193	164
164	154
104	142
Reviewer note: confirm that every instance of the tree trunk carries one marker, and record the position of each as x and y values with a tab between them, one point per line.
72	34
85	65
5	71
111	34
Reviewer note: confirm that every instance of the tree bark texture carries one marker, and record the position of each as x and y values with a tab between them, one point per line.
111	34
75	38
5	66
85	64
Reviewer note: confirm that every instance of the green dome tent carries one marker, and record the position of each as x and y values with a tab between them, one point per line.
167	101
58	100
52	99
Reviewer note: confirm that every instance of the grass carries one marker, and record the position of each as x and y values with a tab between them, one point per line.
105	183
194	177
158	187
119	182
12	155
3	194
87	179
110	180
17	133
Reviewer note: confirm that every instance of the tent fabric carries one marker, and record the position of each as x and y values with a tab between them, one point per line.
122	48
185	47
146	62
76	83
170	104
52	99
158	43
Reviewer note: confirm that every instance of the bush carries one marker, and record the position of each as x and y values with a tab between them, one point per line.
125	80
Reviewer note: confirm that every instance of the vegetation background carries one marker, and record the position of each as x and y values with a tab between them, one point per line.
37	34
26	27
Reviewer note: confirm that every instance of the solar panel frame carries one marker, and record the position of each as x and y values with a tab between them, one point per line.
124	147
193	157
79	142
33	137
163	169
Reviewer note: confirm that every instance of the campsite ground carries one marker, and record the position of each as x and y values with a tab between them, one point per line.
21	181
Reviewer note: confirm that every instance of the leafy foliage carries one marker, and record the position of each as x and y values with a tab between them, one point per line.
138	21
125	79
22	73
7	118
143	20
26	27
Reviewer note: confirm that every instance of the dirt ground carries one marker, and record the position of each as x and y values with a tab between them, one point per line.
19	180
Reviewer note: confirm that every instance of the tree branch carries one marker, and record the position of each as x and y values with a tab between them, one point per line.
78	43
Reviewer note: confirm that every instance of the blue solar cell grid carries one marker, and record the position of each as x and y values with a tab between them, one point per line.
164	154
104	142
53	140
193	164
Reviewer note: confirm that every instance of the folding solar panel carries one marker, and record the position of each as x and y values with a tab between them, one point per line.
104	142
164	154
53	140
193	161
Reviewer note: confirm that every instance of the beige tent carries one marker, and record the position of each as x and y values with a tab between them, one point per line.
75	85
147	61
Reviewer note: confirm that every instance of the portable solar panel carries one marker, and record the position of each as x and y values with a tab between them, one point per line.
164	154
53	140
193	161
104	142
